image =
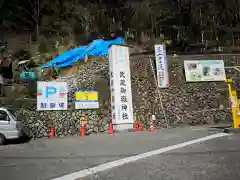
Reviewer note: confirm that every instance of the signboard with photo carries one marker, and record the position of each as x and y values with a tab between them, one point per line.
204	70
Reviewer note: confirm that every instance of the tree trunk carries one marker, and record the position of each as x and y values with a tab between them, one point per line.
37	32
1	30
37	36
87	25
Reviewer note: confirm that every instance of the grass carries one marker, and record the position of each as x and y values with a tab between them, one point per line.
17	103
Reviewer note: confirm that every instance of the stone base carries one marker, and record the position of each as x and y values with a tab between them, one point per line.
122	127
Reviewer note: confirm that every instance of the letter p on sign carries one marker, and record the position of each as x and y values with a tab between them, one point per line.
50	91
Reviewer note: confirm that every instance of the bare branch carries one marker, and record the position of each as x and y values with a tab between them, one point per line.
1	3
27	12
36	10
42	5
31	4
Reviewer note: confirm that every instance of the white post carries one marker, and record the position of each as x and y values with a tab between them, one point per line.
120	88
162	78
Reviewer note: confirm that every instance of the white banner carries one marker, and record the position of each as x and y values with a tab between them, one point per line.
120	85
52	96
204	70
161	66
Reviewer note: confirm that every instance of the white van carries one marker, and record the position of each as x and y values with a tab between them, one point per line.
10	127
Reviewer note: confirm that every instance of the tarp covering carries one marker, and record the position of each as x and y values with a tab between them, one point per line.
98	47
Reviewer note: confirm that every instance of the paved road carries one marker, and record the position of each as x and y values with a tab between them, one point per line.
216	159
48	159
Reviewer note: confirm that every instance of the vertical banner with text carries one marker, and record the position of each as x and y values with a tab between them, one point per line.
120	85
161	66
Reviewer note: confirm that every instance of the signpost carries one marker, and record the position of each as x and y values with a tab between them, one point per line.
120	87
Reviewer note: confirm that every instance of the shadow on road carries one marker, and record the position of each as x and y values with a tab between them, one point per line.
21	140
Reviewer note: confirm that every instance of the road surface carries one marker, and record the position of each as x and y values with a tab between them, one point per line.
172	154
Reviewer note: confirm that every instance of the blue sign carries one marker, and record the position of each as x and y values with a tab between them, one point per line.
28	75
52	90
52	96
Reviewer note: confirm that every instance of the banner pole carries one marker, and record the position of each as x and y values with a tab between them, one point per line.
155	79
159	93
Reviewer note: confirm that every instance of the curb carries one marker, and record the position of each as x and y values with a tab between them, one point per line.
232	130
120	131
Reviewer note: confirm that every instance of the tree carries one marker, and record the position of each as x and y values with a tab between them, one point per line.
30	11
176	19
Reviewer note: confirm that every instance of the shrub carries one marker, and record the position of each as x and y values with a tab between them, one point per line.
22	55
44	45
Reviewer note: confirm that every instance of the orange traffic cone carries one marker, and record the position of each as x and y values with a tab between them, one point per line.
152	128
134	127
139	126
110	131
82	131
51	132
83	128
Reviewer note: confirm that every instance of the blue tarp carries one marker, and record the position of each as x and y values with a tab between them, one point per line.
98	47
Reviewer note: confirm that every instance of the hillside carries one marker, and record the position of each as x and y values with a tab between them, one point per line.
43	28
184	103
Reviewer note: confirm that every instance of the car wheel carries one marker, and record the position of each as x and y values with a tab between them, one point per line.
2	139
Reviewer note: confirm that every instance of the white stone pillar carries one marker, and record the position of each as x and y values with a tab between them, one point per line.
120	88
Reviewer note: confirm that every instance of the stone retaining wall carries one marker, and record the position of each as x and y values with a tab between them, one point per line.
184	103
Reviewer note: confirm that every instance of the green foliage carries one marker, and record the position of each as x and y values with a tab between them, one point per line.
44	45
22	55
152	18
31	64
17	103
